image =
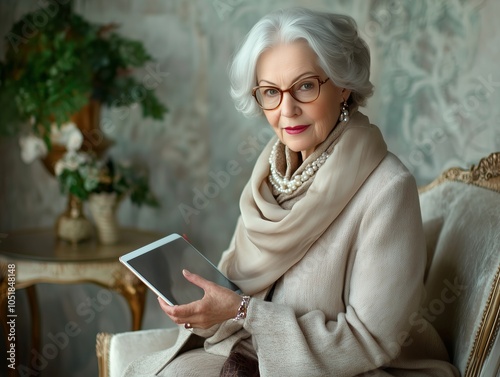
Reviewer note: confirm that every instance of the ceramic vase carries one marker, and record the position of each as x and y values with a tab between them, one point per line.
103	207
72	225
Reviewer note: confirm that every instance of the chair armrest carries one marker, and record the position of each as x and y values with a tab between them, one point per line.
116	351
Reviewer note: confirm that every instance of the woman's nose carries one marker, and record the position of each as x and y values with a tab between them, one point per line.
289	106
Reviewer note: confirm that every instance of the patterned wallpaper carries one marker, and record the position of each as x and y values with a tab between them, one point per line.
434	66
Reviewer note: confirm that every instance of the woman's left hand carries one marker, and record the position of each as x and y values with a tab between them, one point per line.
217	305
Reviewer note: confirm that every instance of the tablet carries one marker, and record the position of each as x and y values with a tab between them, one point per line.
159	265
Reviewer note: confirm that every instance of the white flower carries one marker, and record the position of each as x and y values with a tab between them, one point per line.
59	167
71	160
32	147
75	140
68	135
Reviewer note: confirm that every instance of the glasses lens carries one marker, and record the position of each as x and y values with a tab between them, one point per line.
306	90
268	97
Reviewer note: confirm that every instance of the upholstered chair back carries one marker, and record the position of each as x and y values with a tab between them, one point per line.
461	215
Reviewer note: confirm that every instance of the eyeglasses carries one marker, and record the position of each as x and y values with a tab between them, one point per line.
304	91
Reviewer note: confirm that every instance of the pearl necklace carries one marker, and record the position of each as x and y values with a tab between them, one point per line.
288	186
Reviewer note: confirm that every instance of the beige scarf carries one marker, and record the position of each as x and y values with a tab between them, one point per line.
275	231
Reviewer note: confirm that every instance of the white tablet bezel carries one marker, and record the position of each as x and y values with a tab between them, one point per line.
125	259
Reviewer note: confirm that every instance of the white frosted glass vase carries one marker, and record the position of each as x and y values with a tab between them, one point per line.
103	207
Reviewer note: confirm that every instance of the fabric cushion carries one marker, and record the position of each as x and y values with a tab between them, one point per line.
128	346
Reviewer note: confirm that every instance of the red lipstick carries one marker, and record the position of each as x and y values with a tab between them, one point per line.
296	129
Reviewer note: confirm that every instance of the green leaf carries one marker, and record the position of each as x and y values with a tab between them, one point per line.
51	75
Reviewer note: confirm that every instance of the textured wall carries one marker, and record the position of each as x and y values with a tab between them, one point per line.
435	69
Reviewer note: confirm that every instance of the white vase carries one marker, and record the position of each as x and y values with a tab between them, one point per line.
103	208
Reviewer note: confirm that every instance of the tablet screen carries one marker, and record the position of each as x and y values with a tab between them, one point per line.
160	264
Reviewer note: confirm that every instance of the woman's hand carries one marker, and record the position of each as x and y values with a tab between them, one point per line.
217	305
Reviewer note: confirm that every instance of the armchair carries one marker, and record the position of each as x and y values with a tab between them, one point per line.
461	215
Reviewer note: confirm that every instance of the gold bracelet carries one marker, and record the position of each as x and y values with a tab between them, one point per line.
242	310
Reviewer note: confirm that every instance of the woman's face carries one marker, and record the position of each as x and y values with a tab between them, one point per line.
300	126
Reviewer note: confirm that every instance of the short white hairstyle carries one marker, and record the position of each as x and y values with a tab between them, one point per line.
342	53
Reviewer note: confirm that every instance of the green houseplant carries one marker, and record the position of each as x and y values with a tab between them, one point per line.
59	69
63	65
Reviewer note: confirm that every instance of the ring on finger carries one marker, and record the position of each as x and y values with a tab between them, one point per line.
188	326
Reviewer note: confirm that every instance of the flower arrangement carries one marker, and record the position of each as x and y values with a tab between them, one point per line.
83	174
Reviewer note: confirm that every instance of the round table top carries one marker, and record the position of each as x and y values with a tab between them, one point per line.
43	245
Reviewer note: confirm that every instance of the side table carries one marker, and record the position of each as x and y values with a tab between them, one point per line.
36	256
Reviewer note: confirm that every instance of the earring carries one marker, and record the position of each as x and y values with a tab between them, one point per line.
344	113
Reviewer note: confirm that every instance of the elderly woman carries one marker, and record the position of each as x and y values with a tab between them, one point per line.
329	248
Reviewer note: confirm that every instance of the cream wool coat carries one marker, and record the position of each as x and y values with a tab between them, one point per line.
350	306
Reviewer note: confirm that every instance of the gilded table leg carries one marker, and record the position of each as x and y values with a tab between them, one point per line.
134	291
136	298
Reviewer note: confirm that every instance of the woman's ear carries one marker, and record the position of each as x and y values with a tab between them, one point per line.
346	93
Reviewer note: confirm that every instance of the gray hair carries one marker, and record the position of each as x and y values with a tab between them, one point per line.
342	53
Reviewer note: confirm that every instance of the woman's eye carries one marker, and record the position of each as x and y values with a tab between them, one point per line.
306	85
271	92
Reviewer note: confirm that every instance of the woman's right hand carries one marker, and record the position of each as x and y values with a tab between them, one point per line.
217	305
